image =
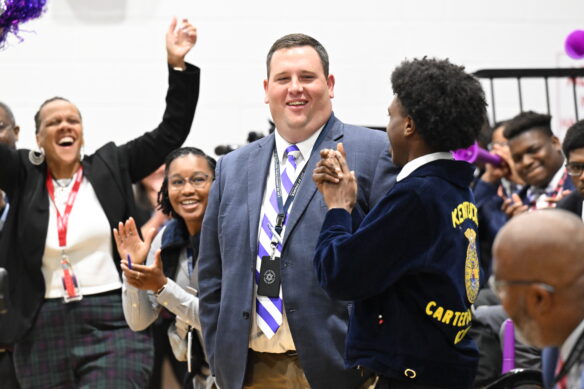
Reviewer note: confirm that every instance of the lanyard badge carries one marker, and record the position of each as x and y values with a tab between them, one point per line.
71	289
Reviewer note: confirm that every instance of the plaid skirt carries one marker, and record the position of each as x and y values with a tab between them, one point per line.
84	344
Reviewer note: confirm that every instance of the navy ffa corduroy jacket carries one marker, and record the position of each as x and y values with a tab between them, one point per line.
412	270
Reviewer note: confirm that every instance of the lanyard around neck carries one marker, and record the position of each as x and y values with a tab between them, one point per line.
283	208
574	357
63	220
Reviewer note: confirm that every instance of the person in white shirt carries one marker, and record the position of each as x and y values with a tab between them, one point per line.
161	274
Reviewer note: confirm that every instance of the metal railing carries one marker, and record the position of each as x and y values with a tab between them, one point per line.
519	74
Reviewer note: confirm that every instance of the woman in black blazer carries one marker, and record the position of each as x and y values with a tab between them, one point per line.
65	316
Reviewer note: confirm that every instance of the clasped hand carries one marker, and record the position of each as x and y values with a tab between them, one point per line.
334	180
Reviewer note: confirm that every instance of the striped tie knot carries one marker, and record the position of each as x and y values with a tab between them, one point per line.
292	153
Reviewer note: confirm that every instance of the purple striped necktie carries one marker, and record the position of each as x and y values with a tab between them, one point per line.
269	309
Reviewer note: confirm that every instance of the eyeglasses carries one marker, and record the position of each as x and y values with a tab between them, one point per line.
198	181
4	126
498	285
575	169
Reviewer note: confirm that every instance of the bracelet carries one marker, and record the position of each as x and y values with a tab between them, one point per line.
160	290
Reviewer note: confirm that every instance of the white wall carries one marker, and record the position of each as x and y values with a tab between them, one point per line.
108	57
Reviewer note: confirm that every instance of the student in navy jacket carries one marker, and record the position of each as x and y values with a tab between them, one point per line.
411	267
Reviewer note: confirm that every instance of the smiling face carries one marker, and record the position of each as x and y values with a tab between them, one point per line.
189	182
537	156
60	135
298	92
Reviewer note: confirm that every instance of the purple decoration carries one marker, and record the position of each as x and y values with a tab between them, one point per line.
475	153
574	44
14	12
508	346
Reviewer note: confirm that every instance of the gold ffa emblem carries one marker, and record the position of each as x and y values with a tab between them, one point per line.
471	267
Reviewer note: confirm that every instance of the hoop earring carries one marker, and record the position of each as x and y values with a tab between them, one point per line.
36	157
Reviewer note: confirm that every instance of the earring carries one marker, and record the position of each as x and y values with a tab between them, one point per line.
36	157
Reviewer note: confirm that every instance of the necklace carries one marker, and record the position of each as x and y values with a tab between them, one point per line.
63	182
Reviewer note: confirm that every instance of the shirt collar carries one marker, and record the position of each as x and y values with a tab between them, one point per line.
305	146
420	161
568	345
553	183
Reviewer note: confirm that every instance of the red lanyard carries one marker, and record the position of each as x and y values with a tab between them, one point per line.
63	220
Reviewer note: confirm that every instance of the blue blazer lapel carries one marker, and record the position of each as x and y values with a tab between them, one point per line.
307	188
258	163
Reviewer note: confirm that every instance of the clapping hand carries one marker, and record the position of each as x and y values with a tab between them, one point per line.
146	277
129	242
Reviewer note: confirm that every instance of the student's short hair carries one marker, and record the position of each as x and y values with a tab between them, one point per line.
574	138
446	104
528	121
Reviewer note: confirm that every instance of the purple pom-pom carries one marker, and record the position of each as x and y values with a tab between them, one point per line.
14	12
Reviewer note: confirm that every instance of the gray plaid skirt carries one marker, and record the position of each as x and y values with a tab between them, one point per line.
84	344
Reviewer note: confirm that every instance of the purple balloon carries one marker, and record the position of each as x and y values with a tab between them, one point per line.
575	44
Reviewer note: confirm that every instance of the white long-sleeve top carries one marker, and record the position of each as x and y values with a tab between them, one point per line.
142	307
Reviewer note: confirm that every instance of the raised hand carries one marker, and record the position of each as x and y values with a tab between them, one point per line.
146	277
179	41
129	242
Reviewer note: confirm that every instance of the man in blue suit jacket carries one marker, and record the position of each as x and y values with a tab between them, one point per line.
301	345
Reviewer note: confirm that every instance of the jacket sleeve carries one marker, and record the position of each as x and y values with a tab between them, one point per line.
181	302
146	153
9	168
210	269
355	266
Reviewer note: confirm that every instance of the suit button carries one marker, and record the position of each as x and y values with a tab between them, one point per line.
246	315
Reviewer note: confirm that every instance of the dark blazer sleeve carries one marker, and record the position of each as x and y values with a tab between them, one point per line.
572	203
9	168
147	152
355	266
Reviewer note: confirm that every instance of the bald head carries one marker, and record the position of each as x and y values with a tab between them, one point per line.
539	266
546	245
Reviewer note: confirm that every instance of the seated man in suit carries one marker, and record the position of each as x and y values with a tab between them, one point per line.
539	277
266	322
411	267
573	148
537	154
